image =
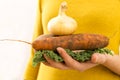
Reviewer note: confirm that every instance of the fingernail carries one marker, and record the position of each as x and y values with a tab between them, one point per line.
59	49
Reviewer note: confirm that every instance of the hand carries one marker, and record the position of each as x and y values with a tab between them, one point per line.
70	63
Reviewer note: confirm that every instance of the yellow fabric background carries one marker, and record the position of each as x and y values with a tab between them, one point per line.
93	16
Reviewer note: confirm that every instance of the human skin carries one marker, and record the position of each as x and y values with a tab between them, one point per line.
109	61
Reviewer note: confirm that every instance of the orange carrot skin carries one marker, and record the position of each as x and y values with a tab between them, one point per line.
72	42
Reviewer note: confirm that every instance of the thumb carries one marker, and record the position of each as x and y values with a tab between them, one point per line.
99	58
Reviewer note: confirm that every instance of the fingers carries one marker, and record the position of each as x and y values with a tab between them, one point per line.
69	61
54	64
99	58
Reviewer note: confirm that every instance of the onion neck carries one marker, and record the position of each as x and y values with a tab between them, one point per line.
62	12
62	9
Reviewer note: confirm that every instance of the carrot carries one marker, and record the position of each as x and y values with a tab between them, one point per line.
72	42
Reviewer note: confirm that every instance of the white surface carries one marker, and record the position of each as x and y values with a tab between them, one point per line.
17	19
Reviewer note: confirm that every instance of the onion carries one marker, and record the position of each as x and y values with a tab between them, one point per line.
62	24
